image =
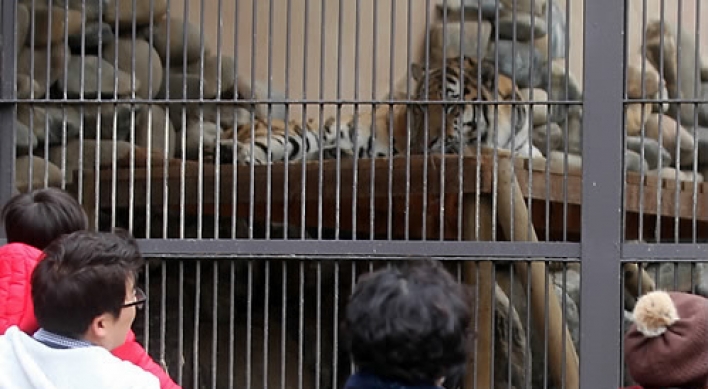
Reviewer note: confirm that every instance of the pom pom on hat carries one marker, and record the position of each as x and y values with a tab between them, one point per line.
667	345
654	313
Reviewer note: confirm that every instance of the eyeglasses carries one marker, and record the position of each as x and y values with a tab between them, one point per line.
140	298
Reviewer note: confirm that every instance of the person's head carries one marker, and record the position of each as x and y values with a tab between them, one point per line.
409	324
85	288
37	218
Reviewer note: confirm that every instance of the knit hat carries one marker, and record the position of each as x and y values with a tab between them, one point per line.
667	346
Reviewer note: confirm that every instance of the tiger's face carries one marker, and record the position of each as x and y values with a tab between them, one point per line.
454	117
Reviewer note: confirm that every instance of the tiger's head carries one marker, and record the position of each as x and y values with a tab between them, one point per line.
454	117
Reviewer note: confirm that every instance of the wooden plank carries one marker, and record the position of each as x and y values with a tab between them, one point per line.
382	179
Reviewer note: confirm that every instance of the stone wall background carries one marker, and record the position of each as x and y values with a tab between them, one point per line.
241	24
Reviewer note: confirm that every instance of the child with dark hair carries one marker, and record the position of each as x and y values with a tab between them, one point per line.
85	300
37	218
32	221
408	327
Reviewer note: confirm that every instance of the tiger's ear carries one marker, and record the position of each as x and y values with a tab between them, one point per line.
417	72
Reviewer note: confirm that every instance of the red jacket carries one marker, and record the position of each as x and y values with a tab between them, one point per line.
17	261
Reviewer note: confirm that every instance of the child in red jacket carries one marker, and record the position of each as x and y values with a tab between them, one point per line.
32	221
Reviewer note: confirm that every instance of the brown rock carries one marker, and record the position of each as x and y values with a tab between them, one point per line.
86	148
51	23
91	86
557	160
141	15
34	64
91	9
27	87
635	89
475	39
671	132
173	46
155	132
636	117
26	181
669	173
22	24
147	66
540	111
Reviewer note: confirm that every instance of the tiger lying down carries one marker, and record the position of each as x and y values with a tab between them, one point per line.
382	132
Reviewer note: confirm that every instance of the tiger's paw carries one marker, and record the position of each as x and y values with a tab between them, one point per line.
242	153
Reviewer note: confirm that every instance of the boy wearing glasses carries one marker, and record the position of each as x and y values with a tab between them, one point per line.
85	301
32	221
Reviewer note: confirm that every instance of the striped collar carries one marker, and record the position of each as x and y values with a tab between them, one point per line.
53	340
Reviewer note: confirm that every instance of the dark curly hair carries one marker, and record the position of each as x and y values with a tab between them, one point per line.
410	324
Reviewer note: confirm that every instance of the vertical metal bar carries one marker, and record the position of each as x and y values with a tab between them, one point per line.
219	87
602	194
694	187
286	177
8	10
269	94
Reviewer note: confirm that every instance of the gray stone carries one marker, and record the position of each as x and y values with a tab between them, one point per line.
201	136
94	34
49	124
24	138
99	119
557	29
654	154
112	81
634	162
547	137
472	8
700	134
521	27
519	60
575	130
47	68
684	277
154	131
138	58
32	172
446	40
173	46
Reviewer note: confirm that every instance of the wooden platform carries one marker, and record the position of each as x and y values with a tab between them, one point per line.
390	195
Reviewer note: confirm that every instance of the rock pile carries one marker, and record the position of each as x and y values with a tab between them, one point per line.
135	61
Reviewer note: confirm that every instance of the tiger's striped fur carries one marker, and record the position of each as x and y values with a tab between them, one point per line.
451	127
366	135
287	142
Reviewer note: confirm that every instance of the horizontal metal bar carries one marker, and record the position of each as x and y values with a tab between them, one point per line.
220	101
664	251
288	248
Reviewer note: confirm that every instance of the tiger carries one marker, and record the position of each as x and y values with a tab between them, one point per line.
467	79
396	128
